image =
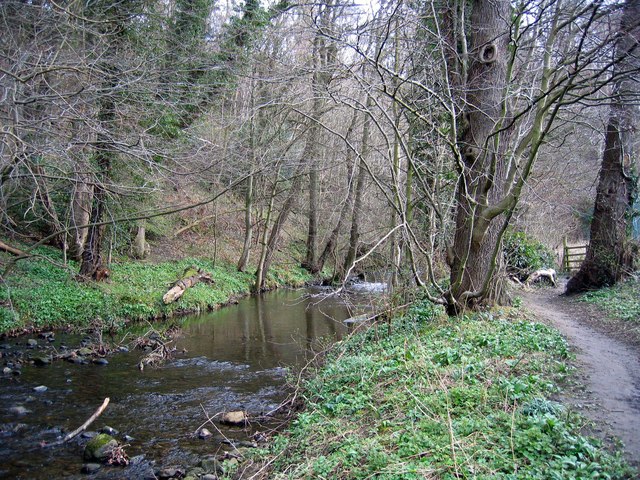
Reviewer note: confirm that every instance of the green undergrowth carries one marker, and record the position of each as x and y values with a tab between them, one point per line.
442	398
41	292
620	301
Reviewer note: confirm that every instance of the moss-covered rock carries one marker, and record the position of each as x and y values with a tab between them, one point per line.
99	448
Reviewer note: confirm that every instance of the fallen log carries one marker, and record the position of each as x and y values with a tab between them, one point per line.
548	273
187	281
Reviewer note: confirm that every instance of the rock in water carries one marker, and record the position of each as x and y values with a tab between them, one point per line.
19	410
99	448
40	389
237	418
32	343
90	468
109	430
204	433
41	361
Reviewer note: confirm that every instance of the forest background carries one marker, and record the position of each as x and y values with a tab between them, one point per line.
404	137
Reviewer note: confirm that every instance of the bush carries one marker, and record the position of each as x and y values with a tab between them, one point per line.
524	255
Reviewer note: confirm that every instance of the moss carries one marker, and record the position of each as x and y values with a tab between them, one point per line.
99	447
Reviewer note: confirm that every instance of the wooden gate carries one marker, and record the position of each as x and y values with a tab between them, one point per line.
572	256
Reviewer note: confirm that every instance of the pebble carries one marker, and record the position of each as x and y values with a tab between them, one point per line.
128	438
123	349
204	433
89	434
40	389
101	361
209	476
6	370
32	343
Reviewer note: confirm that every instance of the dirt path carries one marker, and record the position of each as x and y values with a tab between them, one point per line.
609	369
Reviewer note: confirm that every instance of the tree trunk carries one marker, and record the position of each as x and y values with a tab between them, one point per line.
80	213
276	230
248	225
332	241
609	255
91	255
140	247
476	276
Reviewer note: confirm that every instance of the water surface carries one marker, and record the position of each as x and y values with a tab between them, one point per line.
234	358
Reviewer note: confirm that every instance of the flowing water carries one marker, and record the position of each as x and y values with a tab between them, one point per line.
234	359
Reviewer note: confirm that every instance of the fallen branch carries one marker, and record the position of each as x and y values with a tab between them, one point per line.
82	427
14	251
193	225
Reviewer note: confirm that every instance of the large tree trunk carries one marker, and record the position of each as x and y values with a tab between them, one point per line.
608	254
91	255
476	276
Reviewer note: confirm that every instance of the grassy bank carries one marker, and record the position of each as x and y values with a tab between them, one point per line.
621	301
441	398
41	292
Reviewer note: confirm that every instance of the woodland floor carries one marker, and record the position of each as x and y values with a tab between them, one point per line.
607	385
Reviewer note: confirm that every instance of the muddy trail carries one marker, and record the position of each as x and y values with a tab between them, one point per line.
607	386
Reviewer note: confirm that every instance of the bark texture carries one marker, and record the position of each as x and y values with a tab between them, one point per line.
475	277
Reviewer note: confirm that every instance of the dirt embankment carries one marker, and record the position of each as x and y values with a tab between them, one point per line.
607	389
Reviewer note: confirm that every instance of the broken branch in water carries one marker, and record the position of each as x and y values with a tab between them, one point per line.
82	427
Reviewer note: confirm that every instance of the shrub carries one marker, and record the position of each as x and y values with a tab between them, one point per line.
524	254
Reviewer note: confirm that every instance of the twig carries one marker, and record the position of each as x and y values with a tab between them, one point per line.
82	427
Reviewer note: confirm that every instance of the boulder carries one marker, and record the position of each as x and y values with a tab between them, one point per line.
99	448
237	418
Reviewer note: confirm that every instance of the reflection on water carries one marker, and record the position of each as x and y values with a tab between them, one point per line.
233	358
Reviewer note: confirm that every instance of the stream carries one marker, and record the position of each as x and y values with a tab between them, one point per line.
236	358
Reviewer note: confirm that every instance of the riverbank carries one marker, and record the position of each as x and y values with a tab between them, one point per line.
472	397
42	292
